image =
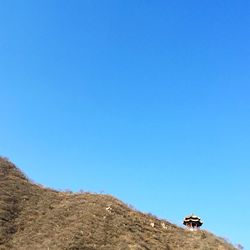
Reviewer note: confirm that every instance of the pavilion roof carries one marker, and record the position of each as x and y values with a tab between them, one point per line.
192	219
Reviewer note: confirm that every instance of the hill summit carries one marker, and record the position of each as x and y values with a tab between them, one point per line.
37	218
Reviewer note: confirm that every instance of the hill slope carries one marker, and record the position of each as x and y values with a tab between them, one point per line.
32	217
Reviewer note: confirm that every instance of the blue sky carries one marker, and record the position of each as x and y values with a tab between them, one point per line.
144	100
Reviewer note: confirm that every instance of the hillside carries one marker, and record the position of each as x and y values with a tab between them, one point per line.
36	218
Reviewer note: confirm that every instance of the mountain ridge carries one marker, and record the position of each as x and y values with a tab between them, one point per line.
33	217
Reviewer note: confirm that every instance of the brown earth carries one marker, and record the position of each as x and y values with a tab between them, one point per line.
37	218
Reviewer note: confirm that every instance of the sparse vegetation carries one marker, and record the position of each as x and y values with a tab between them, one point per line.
32	217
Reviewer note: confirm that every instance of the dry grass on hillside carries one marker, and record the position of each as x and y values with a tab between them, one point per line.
35	218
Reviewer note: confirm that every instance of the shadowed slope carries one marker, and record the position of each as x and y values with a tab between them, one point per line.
32	217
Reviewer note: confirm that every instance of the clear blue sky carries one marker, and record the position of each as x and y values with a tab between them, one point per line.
146	100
